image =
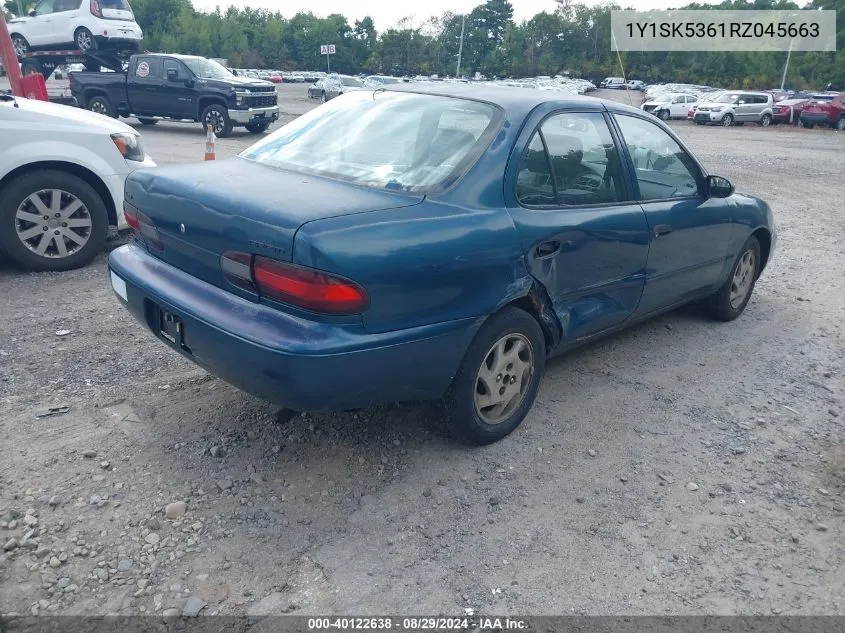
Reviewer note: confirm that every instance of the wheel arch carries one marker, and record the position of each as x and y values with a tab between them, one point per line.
204	102
90	93
536	302
764	237
77	170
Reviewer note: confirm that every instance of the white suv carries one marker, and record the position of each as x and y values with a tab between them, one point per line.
83	24
62	171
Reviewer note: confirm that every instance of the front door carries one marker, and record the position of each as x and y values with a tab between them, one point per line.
584	238
41	28
689	235
182	102
746	109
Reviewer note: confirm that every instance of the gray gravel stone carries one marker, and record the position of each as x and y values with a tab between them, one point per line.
175	510
193	607
124	564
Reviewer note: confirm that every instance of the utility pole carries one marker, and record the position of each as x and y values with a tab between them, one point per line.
461	46
786	66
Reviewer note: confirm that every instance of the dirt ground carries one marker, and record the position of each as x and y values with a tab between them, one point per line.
681	467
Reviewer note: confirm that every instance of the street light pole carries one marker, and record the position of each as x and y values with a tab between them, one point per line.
461	46
786	66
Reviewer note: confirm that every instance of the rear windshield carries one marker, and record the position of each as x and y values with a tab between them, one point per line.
388	140
351	81
123	5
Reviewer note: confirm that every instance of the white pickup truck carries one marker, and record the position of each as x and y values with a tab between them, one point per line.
62	171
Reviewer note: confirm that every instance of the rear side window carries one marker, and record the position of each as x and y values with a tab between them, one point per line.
148	68
571	161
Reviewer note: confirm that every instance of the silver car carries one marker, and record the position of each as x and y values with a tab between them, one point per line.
334	85
738	106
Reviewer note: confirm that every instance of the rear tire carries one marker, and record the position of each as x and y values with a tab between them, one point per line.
730	300
499	377
22	225
766	120
217	117
840	124
84	40
101	105
148	121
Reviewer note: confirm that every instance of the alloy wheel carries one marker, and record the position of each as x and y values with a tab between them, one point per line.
742	279
215	120
53	223
99	107
84	41
20	46
503	378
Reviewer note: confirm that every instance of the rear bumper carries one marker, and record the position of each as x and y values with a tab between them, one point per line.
816	118
294	362
270	113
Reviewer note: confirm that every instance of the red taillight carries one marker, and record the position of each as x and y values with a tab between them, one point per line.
142	225
96	11
306	288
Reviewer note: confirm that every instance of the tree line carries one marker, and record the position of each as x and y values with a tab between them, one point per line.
574	38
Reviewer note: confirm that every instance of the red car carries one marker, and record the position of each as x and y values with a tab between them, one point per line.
788	110
275	78
824	112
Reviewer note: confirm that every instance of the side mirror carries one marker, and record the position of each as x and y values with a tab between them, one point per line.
718	187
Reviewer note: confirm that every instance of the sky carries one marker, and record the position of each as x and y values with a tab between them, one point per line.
387	13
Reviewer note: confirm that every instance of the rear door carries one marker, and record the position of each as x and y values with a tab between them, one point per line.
144	85
689	235
584	238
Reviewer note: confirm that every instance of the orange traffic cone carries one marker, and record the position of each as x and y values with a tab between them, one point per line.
210	140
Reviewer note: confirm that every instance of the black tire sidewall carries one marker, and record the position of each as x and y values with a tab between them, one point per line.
720	306
460	400
227	122
16	191
90	34
727	120
109	111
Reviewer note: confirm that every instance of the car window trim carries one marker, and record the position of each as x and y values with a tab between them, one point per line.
627	193
633	172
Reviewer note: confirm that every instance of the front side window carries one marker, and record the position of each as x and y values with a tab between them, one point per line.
402	141
581	159
148	68
663	169
207	68
45	7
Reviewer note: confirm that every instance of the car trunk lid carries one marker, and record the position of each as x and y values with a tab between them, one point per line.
202	210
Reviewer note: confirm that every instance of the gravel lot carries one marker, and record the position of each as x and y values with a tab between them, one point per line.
682	467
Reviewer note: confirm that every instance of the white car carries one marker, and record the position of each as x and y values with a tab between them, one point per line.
670	106
62	171
84	24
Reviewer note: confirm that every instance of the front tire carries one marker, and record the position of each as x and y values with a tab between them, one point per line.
84	40
663	115
730	301
20	44
727	120
51	220
497	381
148	121
101	105
257	128
217	117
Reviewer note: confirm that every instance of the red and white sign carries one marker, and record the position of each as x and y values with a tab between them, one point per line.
331	49
324	49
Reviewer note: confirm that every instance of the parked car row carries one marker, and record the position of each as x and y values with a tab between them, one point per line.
737	107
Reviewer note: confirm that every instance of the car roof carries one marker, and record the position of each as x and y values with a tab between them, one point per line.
516	102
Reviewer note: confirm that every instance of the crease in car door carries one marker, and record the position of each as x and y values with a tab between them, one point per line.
689	234
585	240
